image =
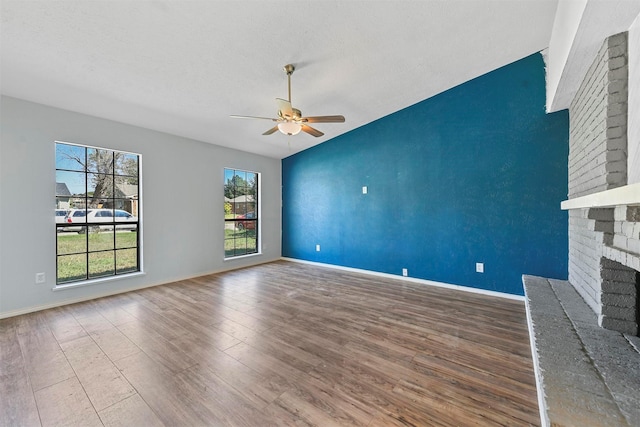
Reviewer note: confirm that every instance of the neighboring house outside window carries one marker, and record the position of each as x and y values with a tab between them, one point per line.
97	190
241	213
62	196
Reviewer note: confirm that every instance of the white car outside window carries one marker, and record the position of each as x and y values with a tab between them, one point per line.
107	215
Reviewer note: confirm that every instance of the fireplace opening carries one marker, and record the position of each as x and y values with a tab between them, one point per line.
619	297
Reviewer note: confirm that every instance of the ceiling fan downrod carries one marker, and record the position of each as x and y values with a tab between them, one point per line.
289	69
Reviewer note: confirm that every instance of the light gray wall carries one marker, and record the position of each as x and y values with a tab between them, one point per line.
182	191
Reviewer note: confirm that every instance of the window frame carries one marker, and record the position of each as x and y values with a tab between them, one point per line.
240	224
119	246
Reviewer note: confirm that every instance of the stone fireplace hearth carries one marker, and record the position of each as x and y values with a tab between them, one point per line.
586	375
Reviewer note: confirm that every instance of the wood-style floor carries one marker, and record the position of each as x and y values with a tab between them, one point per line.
277	344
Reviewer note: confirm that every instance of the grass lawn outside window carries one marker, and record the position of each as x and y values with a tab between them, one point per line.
108	254
239	242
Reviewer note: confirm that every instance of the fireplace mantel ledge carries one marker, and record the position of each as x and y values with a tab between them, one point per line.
626	195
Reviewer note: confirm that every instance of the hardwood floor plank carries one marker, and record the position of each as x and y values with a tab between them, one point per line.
100	379
243	319
199	313
308	341
480	357
275	344
355	378
109	338
459	405
251	385
114	309
285	417
345	407
155	345
30	322
225	294
384	420
273	308
375	389
236	330
467	330
204	333
292	354
222	400
63	324
281	373
132	411
157	386
45	362
294	410
517	393
17	402
66	404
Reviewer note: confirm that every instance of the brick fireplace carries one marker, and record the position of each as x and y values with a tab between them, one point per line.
584	331
604	217
615	244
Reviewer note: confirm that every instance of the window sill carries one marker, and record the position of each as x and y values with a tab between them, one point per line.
73	285
243	256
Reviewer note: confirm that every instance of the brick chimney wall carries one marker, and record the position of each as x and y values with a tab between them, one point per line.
604	243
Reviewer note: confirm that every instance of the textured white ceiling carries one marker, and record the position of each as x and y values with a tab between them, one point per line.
183	67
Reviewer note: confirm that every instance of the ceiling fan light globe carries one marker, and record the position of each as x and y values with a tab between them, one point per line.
289	128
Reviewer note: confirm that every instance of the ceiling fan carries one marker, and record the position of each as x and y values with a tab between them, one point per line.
290	120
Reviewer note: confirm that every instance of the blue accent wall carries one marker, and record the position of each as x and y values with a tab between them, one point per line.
474	174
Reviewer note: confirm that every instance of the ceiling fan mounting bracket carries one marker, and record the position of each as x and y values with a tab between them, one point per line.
289	69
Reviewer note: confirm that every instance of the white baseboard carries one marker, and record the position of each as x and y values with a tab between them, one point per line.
337	267
411	279
61	303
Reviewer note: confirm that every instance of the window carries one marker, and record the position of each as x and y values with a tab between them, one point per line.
98	191
241	213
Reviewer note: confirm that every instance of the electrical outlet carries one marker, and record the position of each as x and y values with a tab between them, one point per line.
317	248
479	267
405	272
40	278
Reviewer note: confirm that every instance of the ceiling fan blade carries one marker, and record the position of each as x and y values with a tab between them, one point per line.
270	131
311	131
323	119
284	107
253	117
